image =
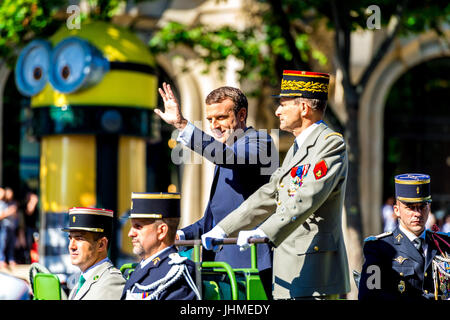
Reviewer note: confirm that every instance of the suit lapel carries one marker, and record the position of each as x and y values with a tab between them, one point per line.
291	160
406	246
140	274
137	275
98	271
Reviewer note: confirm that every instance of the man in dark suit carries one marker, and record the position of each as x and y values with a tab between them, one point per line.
162	274
399	265
244	160
300	209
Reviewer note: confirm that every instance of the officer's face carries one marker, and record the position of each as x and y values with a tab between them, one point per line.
84	250
223	121
146	236
413	216
290	114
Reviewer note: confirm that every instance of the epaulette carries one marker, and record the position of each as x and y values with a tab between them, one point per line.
176	258
334	134
380	236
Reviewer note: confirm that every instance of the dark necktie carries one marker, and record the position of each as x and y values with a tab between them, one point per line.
295	147
418	244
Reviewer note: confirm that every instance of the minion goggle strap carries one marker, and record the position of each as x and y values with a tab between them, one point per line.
72	65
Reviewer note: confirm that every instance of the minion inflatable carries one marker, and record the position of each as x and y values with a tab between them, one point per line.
93	91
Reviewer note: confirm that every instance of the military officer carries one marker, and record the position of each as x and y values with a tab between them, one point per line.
89	233
300	208
399	264
162	274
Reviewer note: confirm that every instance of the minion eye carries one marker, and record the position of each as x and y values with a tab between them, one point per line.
76	65
32	67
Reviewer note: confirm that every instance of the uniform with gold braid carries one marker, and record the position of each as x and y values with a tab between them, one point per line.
93	91
90	219
155	205
407	272
307	191
305	84
165	275
413	187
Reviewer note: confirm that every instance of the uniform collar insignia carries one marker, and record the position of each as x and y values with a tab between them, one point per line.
320	169
156	260
398	237
400	259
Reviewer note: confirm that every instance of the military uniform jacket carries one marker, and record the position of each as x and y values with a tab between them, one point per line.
300	210
404	273
237	175
155	270
106	283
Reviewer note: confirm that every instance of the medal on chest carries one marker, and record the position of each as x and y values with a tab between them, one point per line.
297	176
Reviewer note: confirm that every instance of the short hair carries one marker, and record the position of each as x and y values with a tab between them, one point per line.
234	94
315	104
99	235
172	224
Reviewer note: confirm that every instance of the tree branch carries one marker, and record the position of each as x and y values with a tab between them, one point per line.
342	42
283	21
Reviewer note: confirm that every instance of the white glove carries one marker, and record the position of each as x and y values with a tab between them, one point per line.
215	233
243	237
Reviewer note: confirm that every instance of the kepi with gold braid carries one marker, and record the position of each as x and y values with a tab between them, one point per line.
90	219
155	205
413	187
305	84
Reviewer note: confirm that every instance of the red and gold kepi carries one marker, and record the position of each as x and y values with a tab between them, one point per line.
90	219
305	84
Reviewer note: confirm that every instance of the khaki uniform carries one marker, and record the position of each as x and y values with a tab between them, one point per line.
106	283
300	210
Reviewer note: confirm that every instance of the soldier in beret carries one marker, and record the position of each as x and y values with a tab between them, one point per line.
162	274
399	265
300	208
89	233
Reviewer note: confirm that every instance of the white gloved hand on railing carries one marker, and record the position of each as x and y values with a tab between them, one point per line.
244	236
215	233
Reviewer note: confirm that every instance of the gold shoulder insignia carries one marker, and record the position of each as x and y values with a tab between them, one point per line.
400	259
156	260
334	134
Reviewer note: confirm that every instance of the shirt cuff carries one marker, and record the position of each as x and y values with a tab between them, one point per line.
260	233
181	235
186	134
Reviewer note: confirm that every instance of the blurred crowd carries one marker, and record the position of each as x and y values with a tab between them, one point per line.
19	228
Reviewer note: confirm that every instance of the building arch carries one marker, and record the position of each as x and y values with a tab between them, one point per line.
406	54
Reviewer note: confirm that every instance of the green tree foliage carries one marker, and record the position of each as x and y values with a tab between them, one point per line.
23	20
